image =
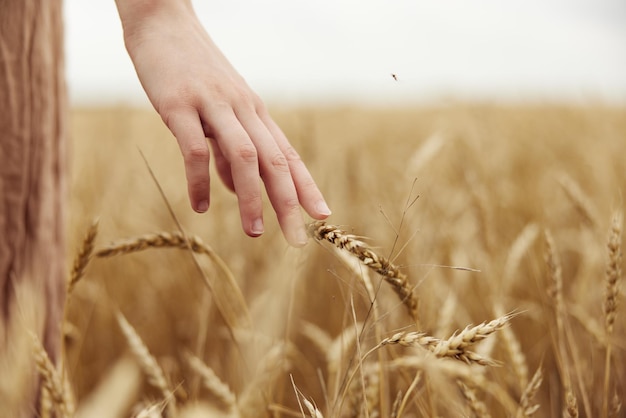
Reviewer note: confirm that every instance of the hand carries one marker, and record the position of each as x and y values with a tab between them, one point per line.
200	95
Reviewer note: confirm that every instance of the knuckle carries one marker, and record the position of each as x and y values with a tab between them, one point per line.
198	186
249	199
197	154
241	97
292	155
308	184
279	162
246	153
290	204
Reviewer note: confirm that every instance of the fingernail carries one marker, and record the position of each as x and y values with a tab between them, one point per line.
257	227
301	237
322	208
203	206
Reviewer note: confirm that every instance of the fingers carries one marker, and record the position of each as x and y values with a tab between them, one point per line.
248	146
223	166
186	127
276	174
309	194
241	155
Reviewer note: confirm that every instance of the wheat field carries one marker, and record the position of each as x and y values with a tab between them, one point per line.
471	267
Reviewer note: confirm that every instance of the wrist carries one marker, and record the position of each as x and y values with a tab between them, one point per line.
138	16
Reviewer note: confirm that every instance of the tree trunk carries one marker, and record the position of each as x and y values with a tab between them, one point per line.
32	194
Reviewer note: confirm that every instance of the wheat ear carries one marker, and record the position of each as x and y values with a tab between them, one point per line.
83	256
579	199
52	382
321	231
148	364
526	406
457	346
514	349
571	405
213	383
157	240
478	407
613	278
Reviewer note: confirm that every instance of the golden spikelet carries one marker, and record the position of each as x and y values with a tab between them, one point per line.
52	383
156	240
613	278
555	275
571	405
457	346
320	231
514	349
613	272
226	291
213	383
148	363
583	205
478	408
527	409
83	256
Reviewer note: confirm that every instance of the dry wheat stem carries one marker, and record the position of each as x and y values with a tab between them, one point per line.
457	345
396	405
51	381
83	256
320	231
409	392
148	364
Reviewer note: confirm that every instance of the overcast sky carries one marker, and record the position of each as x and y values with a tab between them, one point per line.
299	51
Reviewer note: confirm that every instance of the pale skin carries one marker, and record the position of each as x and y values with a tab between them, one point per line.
199	95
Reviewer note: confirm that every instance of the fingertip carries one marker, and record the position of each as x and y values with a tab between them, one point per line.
297	237
322	209
202	206
256	228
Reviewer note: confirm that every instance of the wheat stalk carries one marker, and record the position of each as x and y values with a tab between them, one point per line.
52	384
457	346
83	256
613	277
571	405
148	364
478	408
616	406
213	383
514	349
579	199
156	240
226	293
320	231
613	272
526	408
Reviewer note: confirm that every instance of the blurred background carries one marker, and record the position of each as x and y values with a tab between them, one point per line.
324	51
507	118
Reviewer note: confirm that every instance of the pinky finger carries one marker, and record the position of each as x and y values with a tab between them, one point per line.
188	131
